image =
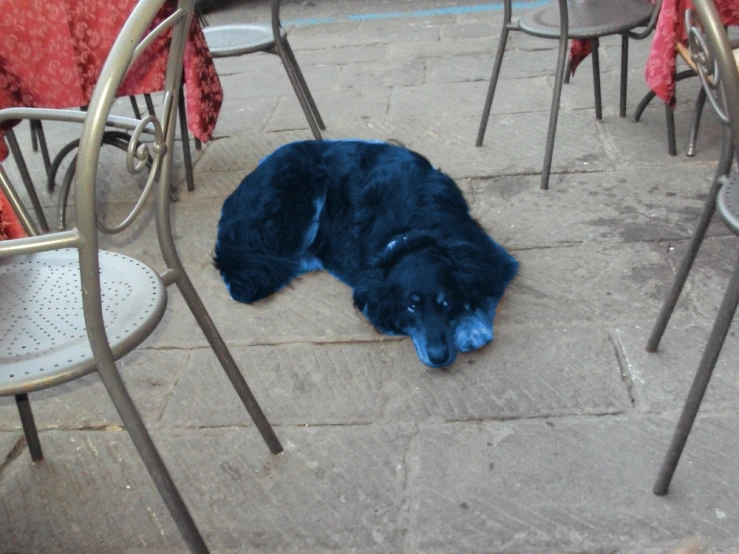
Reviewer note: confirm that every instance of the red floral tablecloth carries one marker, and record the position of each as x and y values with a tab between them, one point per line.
10	227
662	60
51	52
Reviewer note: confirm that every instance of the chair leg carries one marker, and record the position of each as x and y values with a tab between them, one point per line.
227	362
149	104
185	141
624	75
670	119
41	137
26	177
696	121
303	85
554	113
700	232
29	427
295	82
568	72
34	141
493	83
135	106
700	383
595	45
150	455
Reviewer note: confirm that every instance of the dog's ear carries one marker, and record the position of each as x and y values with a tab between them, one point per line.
376	300
482	270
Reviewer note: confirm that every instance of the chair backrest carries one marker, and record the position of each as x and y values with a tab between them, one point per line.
712	54
150	23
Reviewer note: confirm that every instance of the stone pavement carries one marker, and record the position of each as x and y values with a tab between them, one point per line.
546	441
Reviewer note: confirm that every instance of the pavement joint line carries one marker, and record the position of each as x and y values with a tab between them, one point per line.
623	366
450	10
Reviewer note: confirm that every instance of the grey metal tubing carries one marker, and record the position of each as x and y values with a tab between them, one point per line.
700	384
650	95
38	136
624	75
100	104
26	178
303	84
557	94
149	104
595	46
135	107
172	259
695	122
290	70
709	207
670	120
496	72
185	141
29	427
568	72
34	140
40	243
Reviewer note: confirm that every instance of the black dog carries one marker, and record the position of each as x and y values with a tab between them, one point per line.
381	219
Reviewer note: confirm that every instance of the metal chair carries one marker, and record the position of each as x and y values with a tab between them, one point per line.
711	52
237	40
700	102
574	19
70	308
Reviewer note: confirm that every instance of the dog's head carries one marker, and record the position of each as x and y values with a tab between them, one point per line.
422	287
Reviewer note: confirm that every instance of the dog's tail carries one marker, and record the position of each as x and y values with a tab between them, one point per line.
251	275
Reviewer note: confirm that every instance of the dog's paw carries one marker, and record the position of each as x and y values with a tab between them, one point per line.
473	331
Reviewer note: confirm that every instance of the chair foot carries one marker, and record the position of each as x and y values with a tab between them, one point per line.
227	362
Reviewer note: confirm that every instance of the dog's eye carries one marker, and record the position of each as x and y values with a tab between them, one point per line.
411	308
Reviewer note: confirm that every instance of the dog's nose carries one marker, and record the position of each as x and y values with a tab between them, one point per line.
440	355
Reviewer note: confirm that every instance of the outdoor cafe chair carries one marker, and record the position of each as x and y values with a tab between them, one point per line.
241	39
69	308
712	54
574	19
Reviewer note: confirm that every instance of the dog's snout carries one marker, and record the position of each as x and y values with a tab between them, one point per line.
440	355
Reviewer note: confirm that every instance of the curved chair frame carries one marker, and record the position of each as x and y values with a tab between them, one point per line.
279	46
83	238
565	33
712	52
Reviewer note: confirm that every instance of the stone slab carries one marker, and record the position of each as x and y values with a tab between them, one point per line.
565	485
332	489
609	206
149	375
523	374
660	381
296	384
593	283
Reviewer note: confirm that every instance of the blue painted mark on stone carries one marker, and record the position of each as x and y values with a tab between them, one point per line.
453	10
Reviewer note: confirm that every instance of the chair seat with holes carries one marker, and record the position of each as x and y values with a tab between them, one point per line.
43	340
234	40
587	18
727	202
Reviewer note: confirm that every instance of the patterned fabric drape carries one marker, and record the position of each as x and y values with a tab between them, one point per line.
51	52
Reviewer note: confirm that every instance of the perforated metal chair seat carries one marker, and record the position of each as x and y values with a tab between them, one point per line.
588	18
234	40
727	202
43	339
